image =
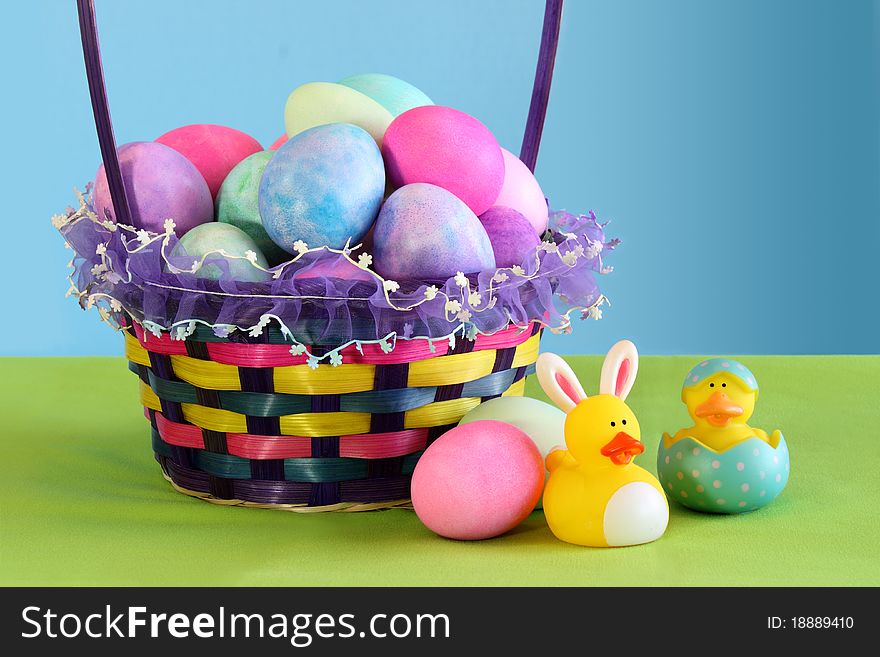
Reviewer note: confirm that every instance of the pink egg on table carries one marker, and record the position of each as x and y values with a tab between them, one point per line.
447	148
522	192
512	236
278	143
214	149
160	184
477	481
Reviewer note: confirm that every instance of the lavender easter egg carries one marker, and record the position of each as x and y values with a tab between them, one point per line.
203	240
425	232
320	103
160	184
447	148
213	149
238	203
522	192
324	186
512	236
477	481
390	92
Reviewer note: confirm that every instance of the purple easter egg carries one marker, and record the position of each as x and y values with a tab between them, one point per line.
425	232
511	234
160	184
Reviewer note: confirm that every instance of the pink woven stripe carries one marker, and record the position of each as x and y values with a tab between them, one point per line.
278	355
250	446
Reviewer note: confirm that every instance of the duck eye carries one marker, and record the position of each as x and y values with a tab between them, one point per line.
612	424
624	422
723	385
711	385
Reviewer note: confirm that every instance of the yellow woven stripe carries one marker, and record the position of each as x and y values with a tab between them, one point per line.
325	424
206	373
149	398
518	389
135	352
326	380
527	352
449	370
439	413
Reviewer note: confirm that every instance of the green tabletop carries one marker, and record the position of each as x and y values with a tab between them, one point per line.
84	503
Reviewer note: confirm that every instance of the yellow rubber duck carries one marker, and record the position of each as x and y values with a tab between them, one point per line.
596	495
720	395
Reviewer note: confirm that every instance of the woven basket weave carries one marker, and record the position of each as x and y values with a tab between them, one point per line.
242	421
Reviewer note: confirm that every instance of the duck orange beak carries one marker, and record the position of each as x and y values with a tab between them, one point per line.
622	449
718	410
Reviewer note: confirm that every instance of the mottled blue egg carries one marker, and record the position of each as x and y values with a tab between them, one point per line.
394	94
425	232
324	186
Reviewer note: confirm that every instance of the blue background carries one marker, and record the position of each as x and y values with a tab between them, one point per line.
735	143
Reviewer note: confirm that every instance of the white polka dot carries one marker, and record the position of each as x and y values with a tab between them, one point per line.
762	474
679	455
716	464
683	493
762	493
695	379
720	501
756	451
669	486
775	459
779	477
741	366
740	466
751	382
742	504
695	473
680	475
704	363
716	484
700	489
695	451
666	460
725	364
744	488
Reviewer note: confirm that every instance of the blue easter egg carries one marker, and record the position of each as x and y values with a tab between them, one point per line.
390	92
425	232
324	186
745	477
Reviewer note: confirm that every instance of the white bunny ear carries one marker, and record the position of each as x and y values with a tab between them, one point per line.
559	382
619	369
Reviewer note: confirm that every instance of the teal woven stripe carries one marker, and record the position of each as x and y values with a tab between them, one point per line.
311	470
258	404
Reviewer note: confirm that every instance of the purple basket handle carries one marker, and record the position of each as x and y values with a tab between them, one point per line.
98	92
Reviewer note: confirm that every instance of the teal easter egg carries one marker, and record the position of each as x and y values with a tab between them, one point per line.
202	241
745	477
543	423
324	186
390	92
238	203
425	232
320	103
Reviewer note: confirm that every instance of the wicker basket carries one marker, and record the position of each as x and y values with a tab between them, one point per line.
243	421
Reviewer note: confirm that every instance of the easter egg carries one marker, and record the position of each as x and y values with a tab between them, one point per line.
744	477
447	148
320	103
392	93
160	184
324	186
202	240
512	236
238	203
522	192
543	423
214	149
425	232
477	481
277	143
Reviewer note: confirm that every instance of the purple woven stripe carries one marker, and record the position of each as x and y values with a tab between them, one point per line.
161	365
256	379
144	373
325	403
215	441
327	447
383	468
263	426
268	469
375	490
435	432
208	398
391	377
324	493
197	350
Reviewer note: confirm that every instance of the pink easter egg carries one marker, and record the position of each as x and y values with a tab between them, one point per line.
445	147
477	481
522	192
214	149
513	238
160	184
278	142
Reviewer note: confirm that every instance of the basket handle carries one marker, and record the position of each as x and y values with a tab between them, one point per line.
98	93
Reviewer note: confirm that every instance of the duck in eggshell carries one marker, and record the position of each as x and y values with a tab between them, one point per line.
721	464
596	495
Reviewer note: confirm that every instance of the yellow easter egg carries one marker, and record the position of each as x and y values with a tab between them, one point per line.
320	103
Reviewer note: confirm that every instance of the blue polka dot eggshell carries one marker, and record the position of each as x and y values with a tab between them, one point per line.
748	476
425	232
712	366
324	186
